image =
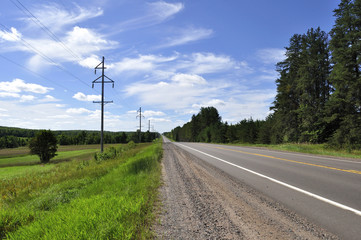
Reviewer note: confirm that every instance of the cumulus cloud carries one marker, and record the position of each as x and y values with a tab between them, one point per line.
12	36
18	86
82	97
26	98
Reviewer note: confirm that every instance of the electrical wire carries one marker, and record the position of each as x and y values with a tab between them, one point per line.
44	28
48	59
35	73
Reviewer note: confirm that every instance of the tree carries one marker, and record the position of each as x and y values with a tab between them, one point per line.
287	99
44	144
313	86
344	107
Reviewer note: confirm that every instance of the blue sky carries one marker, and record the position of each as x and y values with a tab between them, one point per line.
169	57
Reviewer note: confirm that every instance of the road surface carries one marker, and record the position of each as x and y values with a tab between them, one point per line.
324	190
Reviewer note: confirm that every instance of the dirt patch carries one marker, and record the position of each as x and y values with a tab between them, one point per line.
202	202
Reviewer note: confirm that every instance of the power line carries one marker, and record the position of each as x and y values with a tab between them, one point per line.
44	28
102	102
139	114
35	73
48	59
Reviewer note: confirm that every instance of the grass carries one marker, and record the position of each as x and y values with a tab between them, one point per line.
108	197
9	172
318	149
34	159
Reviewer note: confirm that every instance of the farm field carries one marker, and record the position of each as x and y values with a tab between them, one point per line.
84	196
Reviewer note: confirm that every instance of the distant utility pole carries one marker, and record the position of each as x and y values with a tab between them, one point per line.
149	125
102	102
140	123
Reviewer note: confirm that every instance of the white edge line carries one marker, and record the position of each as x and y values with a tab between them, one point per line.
339	205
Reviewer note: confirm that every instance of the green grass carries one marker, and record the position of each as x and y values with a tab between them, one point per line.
34	159
318	149
9	172
109	197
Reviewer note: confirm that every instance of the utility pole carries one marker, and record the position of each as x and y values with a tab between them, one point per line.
102	102
140	123
149	125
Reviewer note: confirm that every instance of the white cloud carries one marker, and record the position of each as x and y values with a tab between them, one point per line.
271	55
154	13
12	36
188	79
188	35
18	85
54	17
142	63
77	110
26	98
7	94
90	62
211	103
49	98
82	97
150	113
203	63
163	10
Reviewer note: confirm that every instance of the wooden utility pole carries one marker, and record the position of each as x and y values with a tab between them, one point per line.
102	102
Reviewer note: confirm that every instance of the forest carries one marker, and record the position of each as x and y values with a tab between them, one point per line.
16	137
318	96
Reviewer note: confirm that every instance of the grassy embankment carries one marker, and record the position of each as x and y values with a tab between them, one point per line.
110	196
319	149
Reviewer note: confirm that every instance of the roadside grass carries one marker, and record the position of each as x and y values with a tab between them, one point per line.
108	197
9	172
22	151
318	149
34	159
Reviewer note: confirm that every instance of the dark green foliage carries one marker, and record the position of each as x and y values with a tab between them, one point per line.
344	109
44	144
207	126
17	137
303	89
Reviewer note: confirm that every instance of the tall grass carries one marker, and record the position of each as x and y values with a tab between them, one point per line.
109	197
319	149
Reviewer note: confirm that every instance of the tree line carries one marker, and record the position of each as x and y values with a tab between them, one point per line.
16	137
318	96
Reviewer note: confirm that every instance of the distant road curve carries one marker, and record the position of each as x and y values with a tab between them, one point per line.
325	190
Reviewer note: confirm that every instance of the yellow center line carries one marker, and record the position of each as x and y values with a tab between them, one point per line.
293	161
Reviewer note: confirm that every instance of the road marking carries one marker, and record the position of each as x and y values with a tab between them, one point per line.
336	204
288	160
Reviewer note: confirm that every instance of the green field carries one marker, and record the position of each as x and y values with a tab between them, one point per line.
110	196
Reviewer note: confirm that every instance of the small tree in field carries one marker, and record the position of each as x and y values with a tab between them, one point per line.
44	144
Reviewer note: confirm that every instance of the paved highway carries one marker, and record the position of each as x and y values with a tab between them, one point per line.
325	190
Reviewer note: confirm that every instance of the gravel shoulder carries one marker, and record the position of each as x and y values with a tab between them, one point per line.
202	202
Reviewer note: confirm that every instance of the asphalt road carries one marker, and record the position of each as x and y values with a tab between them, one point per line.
327	191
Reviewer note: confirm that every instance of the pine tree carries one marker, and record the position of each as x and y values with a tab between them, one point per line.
287	98
344	107
313	86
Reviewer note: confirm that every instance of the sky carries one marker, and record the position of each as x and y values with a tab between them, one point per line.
168	57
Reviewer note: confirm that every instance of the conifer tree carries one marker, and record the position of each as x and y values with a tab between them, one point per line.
344	107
